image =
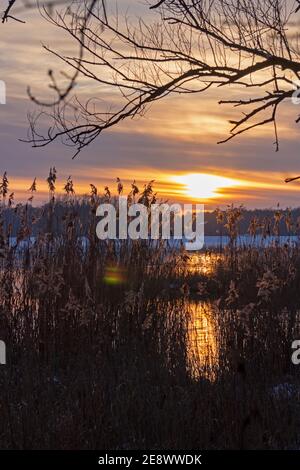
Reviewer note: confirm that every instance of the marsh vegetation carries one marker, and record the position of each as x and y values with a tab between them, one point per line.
134	346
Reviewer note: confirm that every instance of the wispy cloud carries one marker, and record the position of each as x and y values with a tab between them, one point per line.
178	136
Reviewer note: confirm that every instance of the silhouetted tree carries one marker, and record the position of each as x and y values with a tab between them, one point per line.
187	47
15	7
80	13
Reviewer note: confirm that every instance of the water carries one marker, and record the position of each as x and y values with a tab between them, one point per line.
248	240
203	346
210	241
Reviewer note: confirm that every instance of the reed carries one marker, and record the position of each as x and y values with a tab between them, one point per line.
98	334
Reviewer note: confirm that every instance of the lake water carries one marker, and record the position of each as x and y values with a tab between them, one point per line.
202	337
209	241
203	346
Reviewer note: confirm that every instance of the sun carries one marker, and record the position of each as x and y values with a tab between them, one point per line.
204	186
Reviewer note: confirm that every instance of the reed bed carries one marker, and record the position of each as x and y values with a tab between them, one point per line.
98	334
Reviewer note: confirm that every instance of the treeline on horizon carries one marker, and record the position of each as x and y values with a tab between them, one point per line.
79	210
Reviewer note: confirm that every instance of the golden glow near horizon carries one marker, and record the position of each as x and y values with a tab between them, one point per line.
204	186
168	146
207	187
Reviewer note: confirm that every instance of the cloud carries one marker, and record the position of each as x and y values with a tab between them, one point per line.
177	136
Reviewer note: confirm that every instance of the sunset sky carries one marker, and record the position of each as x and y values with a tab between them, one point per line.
175	143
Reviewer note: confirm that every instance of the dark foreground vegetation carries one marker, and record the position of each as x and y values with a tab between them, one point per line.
99	350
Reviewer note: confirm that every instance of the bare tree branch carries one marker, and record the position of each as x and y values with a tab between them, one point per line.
18	6
82	20
189	47
6	13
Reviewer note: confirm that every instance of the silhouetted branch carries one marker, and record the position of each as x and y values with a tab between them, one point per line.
289	180
83	20
18	6
193	47
6	13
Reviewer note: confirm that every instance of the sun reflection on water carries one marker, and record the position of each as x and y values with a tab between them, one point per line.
202	341
203	263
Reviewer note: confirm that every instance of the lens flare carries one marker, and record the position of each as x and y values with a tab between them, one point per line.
114	275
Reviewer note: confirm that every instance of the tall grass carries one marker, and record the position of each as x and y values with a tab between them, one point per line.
98	334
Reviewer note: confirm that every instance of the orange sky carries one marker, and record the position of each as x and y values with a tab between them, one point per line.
177	137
